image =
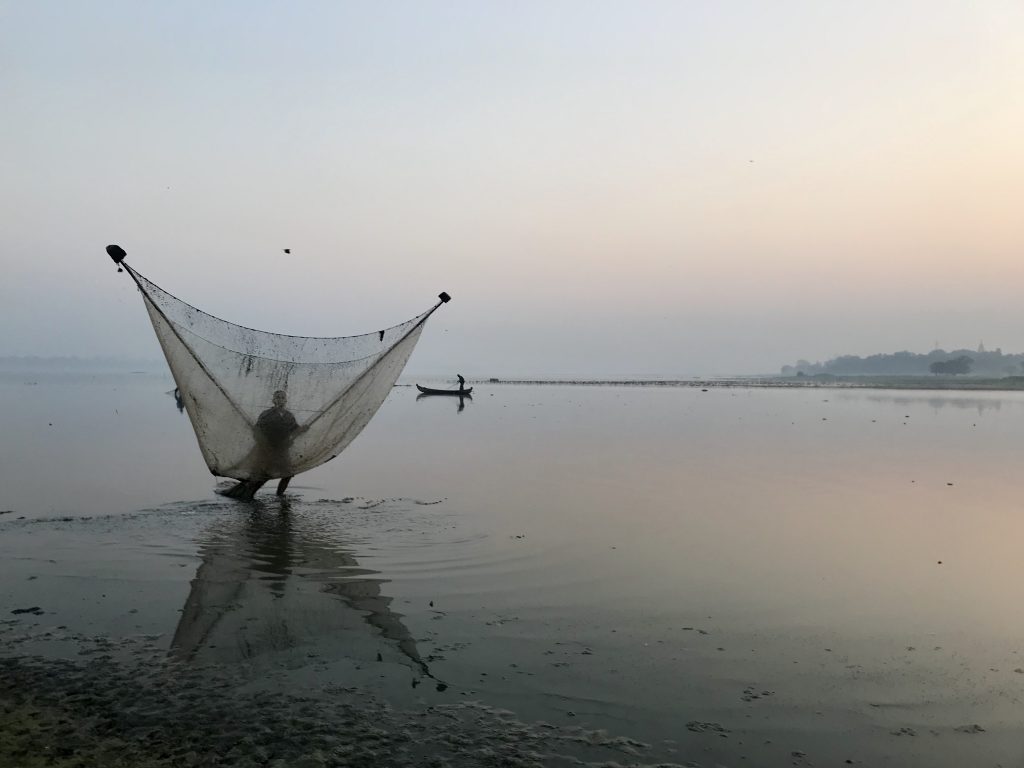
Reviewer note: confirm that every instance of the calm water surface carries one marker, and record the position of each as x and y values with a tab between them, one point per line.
736	576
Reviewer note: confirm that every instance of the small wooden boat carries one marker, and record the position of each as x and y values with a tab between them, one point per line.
458	392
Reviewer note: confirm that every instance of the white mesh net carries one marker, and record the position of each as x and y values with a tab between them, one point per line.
265	405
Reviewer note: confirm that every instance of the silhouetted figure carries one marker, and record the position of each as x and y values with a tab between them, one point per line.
275	430
178	401
462	382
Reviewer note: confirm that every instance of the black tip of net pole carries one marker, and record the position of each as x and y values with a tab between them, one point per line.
442	296
117	253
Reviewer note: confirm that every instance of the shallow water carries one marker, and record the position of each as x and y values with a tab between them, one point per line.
730	577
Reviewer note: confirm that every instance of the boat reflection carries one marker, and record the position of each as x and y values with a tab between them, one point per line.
276	588
462	400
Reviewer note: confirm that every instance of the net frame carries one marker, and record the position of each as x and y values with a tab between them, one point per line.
230	378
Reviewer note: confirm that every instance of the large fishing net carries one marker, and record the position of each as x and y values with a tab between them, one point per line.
265	405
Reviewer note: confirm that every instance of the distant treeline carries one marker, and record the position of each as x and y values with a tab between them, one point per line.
982	363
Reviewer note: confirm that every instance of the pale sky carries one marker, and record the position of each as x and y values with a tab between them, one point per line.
605	188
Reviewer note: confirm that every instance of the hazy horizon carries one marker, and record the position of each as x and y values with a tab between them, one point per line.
605	189
158	364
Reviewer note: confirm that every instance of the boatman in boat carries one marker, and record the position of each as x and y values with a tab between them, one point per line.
462	382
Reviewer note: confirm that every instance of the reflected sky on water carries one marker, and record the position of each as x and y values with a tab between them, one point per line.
641	558
272	590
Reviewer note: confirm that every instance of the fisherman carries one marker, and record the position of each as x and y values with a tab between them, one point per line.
276	428
462	382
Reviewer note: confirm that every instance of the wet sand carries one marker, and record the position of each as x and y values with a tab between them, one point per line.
143	710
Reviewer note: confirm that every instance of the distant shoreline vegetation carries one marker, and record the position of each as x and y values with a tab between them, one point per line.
939	362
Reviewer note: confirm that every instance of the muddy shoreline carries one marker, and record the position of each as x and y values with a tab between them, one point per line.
127	704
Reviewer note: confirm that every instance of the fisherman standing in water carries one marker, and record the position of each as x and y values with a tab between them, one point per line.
276	428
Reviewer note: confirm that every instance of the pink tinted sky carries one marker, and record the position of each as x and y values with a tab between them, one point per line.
605	188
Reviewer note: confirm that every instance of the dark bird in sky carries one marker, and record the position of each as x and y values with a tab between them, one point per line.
287	250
